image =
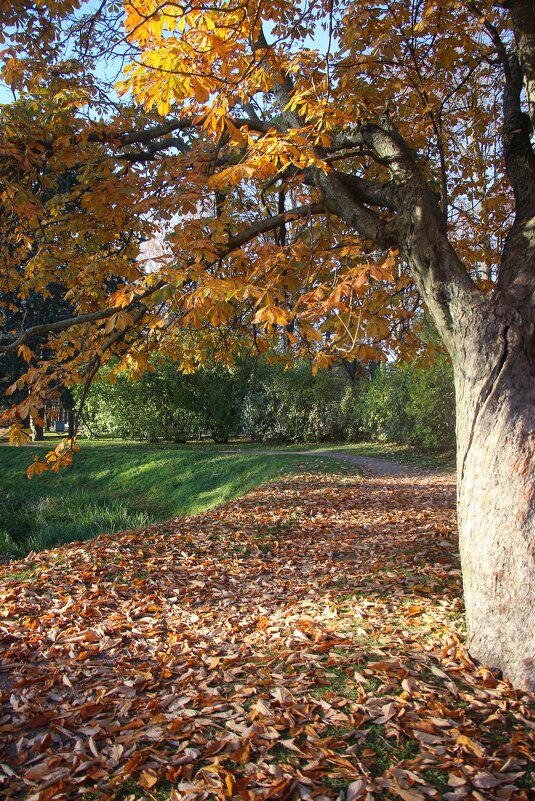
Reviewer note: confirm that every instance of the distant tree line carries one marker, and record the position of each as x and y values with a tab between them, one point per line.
268	403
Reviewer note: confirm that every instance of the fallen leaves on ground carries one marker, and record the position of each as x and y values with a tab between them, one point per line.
303	642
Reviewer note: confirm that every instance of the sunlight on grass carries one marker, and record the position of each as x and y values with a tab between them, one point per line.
116	485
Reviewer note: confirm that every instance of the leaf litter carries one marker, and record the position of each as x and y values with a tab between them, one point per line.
304	642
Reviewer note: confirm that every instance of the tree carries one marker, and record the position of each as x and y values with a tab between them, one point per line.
325	184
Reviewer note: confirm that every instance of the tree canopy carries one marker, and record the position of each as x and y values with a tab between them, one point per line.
269	144
314	172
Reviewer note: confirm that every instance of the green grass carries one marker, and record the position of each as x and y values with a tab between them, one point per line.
115	485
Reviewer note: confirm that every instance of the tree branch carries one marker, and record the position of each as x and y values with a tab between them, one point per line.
418	227
69	322
340	200
270	223
517	126
523	18
374	194
234	242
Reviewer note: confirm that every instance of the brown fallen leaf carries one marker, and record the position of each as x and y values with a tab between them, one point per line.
466	742
194	674
148	779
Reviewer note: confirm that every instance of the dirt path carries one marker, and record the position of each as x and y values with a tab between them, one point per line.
369	465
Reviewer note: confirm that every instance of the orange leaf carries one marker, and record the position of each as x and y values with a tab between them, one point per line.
148	780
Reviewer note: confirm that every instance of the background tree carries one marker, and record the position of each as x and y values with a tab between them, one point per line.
324	185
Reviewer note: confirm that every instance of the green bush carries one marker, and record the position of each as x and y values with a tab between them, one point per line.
293	405
352	411
166	405
405	404
268	403
432	404
158	406
386	412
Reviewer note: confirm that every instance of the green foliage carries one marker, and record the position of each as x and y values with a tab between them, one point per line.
268	403
158	406
432	404
411	405
385	411
217	395
166	405
294	406
405	404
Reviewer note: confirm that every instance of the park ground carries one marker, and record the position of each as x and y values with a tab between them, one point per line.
115	485
301	641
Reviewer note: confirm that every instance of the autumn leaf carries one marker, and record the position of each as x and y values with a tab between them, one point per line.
338	672
36	468
18	435
25	352
148	779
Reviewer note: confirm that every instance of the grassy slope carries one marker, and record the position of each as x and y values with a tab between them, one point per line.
117	485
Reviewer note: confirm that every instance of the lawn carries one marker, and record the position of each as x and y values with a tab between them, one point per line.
405	454
116	485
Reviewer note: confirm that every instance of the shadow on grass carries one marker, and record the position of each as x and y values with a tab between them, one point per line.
120	485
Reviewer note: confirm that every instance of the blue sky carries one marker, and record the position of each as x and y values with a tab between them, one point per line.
110	69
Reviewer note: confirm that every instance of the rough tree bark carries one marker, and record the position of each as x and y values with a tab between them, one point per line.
495	385
491	339
494	362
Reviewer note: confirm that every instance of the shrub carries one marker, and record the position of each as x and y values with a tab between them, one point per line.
268	403
293	405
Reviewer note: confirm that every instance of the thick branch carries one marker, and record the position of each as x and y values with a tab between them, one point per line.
386	146
147	135
62	325
372	193
517	126
270	223
341	200
150	134
418	228
282	89
523	17
517	148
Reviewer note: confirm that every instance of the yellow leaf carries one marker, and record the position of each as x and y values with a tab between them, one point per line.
235	134
36	468
465	741
25	352
148	780
19	435
229	784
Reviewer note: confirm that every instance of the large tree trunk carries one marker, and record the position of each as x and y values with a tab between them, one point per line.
495	378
